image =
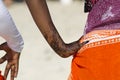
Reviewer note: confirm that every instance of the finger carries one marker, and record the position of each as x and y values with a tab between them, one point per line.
2	46
12	72
7	69
16	70
83	43
3	59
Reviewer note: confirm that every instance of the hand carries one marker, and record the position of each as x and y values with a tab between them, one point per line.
12	59
83	43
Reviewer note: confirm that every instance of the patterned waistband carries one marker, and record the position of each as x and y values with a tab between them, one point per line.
99	38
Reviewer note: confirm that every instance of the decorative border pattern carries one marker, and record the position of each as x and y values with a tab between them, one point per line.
99	38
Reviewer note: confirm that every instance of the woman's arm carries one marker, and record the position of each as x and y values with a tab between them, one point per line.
41	16
14	44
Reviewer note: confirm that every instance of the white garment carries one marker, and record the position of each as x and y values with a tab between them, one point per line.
9	31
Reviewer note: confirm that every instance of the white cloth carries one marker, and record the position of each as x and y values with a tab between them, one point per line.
9	31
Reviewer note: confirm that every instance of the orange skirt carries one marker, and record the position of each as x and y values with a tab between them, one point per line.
99	59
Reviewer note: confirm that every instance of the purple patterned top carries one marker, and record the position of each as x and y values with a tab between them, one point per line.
104	15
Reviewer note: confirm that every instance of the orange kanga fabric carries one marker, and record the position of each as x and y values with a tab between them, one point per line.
99	59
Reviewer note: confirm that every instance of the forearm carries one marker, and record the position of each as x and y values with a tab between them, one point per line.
41	16
9	31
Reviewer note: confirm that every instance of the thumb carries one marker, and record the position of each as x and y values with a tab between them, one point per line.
3	59
3	46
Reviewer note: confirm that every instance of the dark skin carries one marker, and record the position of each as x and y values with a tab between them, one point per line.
12	59
42	18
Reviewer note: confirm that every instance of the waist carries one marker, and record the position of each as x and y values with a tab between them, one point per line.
99	38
